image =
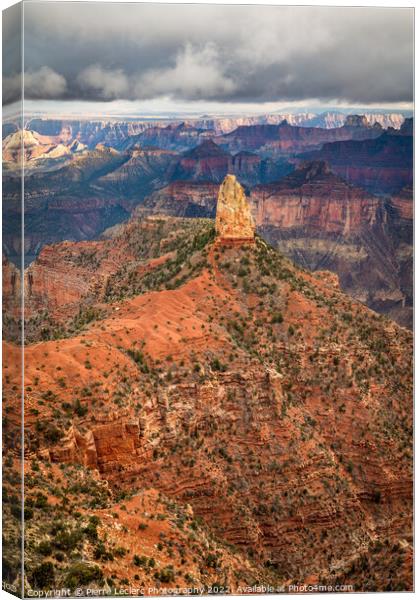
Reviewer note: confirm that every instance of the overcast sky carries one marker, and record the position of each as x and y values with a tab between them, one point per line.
206	56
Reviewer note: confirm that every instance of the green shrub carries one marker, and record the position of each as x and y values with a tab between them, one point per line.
43	576
79	409
216	365
140	561
165	575
45	548
67	540
82	574
28	513
211	561
277	317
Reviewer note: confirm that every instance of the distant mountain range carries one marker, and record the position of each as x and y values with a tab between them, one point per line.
113	131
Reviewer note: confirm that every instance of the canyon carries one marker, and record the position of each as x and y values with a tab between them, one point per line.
190	410
347	220
321	222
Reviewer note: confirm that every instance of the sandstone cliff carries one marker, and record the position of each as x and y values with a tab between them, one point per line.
321	222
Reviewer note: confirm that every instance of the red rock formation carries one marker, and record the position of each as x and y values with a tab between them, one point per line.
76	448
313	197
402	205
253	392
61	276
320	221
12	289
233	214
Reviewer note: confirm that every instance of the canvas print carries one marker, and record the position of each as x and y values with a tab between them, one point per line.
207	299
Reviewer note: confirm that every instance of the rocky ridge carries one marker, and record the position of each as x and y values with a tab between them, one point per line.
321	221
383	165
286	140
219	388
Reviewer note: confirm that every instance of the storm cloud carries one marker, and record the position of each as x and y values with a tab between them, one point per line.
104	52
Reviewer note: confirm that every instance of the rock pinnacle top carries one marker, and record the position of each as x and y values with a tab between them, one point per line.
233	215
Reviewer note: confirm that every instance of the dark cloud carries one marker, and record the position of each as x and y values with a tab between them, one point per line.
91	51
12	52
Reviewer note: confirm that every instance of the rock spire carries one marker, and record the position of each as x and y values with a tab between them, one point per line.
233	215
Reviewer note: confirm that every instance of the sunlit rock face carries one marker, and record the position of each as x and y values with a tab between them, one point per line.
233	215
